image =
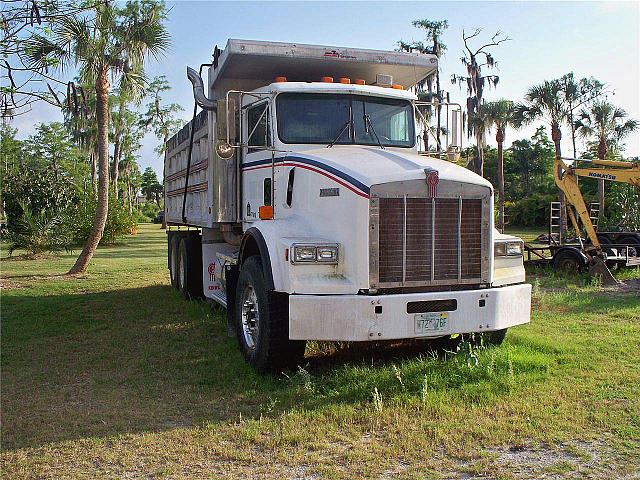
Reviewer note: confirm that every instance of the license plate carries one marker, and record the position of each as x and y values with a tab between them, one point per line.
432	322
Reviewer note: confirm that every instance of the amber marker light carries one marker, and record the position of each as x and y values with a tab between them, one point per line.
327	79
359	81
265	212
280	79
345	80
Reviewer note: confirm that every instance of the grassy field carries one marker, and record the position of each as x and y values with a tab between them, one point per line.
113	375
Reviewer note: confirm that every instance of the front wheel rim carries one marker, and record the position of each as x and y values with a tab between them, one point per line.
250	317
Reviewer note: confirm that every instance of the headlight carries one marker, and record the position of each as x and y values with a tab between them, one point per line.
326	254
508	249
514	248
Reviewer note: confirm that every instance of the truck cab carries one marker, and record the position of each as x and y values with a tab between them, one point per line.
304	206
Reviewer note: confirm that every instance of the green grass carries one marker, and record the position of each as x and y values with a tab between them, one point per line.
528	234
113	375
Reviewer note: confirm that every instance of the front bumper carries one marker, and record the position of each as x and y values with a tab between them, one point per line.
385	317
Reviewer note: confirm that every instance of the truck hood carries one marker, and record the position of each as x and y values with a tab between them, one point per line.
373	165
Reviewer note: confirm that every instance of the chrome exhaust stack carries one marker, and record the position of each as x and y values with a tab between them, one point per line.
198	91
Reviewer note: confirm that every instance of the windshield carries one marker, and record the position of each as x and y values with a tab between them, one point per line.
344	119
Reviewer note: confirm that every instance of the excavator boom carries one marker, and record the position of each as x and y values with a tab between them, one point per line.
566	178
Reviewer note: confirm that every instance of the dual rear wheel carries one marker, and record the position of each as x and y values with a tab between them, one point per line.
185	264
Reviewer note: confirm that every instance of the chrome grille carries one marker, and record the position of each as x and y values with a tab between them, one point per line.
423	241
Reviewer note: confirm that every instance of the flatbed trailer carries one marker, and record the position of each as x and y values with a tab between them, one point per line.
570	257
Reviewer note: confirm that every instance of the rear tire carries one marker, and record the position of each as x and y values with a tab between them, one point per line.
174	244
568	262
262	322
189	272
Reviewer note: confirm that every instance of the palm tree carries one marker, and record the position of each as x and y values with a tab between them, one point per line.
576	94
109	42
546	101
608	125
499	114
161	118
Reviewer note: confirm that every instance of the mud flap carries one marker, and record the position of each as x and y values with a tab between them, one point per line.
598	268
231	276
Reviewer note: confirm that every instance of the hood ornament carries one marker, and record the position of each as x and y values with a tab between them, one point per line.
432	182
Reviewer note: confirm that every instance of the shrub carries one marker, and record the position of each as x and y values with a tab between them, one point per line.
150	209
622	209
37	187
532	211
120	222
39	232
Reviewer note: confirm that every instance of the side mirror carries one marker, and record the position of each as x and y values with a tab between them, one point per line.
453	153
224	150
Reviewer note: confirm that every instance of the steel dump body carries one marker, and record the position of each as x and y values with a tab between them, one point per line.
197	208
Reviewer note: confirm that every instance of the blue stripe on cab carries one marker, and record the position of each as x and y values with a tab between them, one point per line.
334	171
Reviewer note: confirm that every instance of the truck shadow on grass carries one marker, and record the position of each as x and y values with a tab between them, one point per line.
142	359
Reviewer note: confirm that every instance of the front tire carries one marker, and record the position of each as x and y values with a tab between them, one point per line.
262	322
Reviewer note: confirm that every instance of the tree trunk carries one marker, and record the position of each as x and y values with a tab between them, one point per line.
500	140
116	164
439	110
573	134
602	153
94	180
479	160
556	136
97	229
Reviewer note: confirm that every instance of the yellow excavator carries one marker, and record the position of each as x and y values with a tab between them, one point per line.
566	177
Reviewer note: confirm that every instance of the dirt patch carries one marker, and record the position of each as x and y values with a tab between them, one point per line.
628	287
562	461
8	285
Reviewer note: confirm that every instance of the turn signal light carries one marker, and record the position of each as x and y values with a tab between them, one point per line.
265	212
327	79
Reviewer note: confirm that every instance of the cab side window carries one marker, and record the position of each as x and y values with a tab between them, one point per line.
258	128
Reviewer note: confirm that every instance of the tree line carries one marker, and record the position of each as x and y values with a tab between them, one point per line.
107	44
91	157
581	105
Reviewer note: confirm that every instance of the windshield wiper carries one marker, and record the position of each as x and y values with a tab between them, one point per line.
348	124
368	124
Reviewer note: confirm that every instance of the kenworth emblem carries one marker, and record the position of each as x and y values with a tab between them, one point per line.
432	182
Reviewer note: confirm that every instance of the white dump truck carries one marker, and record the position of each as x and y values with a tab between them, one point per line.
298	199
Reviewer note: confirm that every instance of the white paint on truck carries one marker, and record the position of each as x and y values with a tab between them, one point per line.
414	234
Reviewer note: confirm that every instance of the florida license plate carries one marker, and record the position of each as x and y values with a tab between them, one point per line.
432	322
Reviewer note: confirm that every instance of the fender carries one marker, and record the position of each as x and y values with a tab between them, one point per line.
246	250
574	251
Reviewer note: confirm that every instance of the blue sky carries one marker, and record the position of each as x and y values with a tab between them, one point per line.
599	39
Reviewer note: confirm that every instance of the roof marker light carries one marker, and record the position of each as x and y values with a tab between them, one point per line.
359	81
280	79
345	80
397	86
327	79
